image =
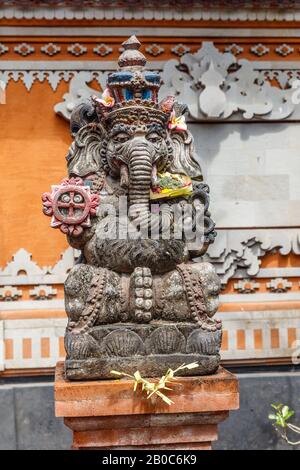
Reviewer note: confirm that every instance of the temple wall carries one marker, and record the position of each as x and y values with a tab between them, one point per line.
252	167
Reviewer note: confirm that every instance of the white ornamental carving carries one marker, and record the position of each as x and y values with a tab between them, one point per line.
24	49
51	49
230	87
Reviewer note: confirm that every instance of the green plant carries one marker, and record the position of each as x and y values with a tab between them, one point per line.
280	417
155	388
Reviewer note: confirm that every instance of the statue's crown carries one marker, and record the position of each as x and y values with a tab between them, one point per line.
133	87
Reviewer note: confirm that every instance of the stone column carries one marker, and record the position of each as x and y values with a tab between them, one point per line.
107	414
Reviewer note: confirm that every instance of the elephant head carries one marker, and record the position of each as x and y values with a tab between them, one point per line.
134	154
129	135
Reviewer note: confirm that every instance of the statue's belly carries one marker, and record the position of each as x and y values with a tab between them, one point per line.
125	255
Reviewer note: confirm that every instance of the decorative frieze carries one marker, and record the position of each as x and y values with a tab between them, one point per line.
77	49
3	49
8	293
279	285
51	49
246	286
250	335
180	49
238	253
102	49
234	49
24	49
260	49
42	292
216	85
154	49
284	50
22	270
186	10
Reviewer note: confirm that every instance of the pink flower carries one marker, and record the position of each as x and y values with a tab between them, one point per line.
177	123
106	100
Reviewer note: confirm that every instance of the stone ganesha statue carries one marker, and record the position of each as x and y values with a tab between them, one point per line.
135	300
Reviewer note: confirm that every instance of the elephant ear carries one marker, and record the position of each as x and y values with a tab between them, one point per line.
85	156
185	159
84	113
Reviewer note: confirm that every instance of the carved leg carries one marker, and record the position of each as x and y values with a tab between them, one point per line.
92	296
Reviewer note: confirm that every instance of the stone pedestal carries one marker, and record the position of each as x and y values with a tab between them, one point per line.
106	414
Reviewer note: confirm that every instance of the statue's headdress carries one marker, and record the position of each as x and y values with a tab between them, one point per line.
132	91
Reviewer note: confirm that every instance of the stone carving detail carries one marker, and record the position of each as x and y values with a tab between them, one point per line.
230	87
24	49
180	49
239	251
279	285
42	292
243	10
70	205
3	49
77	49
23	271
246	286
234	49
154	49
284	49
135	297
79	92
102	49
260	49
51	49
8	293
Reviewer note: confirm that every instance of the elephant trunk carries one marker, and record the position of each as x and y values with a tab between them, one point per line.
140	171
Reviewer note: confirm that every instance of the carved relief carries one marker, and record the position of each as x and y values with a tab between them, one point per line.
9	293
42	292
102	49
24	49
279	285
230	86
77	49
51	49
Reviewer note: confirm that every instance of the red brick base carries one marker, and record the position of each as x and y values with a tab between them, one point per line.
108	415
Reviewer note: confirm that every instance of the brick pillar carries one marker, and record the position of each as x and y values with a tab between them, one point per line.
106	414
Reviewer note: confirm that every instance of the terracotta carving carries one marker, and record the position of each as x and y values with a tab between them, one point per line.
136	300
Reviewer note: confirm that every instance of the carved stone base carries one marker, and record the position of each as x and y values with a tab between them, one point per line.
150	366
107	414
150	348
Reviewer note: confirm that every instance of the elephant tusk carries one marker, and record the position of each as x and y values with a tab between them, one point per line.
124	177
154	174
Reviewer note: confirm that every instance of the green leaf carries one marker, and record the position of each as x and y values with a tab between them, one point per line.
290	413
277	406
272	416
280	421
285	411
